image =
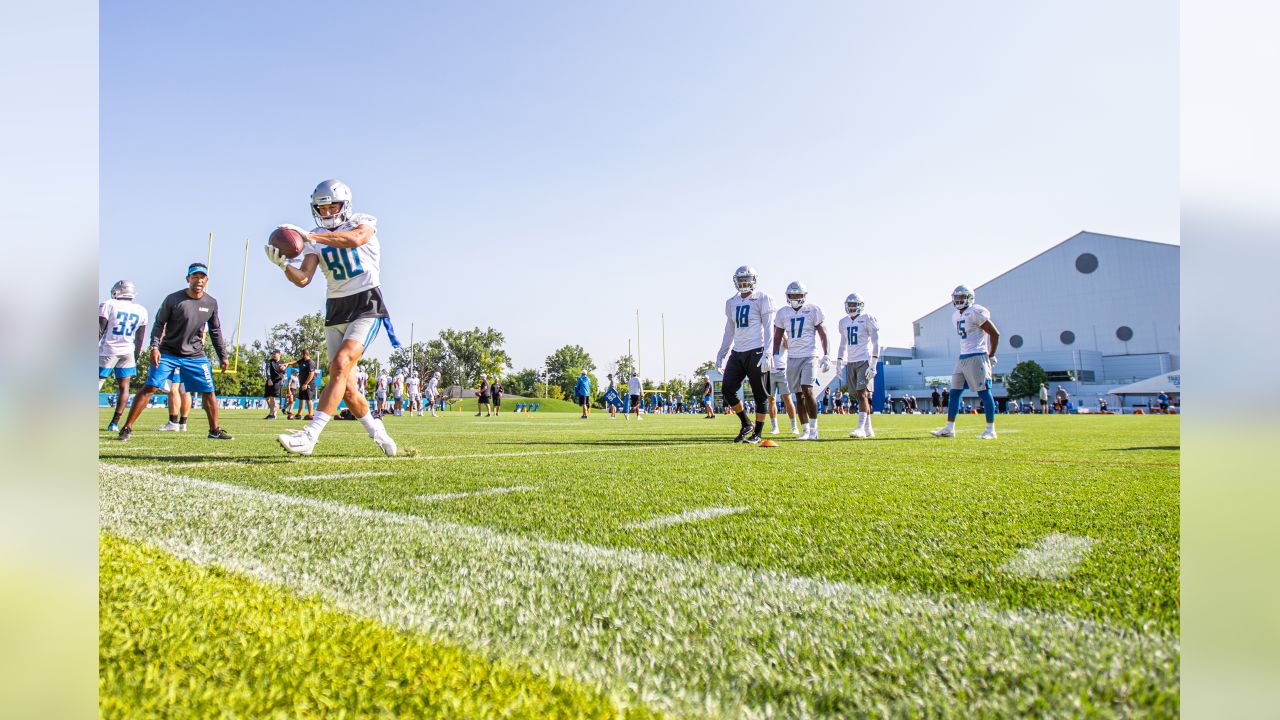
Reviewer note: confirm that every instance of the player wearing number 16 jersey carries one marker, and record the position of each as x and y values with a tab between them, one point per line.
344	247
122	323
748	317
860	340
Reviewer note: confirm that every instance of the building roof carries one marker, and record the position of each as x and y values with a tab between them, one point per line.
1168	383
1048	250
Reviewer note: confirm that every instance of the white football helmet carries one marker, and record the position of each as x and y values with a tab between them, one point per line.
436	374
744	279
328	192
853	305
122	290
796	294
962	298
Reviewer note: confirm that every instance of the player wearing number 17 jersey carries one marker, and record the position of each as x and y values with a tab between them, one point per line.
979	339
344	247
122	323
748	317
801	324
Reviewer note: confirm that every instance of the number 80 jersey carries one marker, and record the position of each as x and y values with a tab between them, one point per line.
348	270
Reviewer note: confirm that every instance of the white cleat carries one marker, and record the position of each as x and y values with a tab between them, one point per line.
987	435
774	431
944	432
794	429
871	433
857	433
384	441
804	435
298	442
813	434
169	426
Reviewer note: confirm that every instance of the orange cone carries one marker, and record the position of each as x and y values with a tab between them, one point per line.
768	443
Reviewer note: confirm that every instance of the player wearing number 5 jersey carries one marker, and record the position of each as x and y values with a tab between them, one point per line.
122	323
979	339
344	247
748	317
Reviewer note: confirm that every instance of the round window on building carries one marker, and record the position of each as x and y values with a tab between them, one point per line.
1015	342
1067	337
1124	333
1087	263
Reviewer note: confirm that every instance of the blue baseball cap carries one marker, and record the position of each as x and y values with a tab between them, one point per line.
198	267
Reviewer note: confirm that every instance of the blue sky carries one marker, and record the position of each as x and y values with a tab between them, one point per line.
548	169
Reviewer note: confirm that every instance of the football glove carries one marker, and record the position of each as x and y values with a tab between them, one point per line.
992	360
825	363
276	258
764	362
870	373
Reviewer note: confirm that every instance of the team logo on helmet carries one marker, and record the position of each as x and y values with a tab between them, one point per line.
796	295
328	193
744	279
962	298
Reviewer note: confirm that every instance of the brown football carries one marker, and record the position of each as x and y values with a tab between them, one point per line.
288	241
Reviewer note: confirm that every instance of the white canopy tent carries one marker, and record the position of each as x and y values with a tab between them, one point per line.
1169	383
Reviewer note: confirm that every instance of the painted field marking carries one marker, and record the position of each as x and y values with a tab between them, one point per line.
686	517
1053	557
473	493
284	460
339	476
686	636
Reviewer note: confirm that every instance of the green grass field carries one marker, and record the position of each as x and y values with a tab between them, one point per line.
546	566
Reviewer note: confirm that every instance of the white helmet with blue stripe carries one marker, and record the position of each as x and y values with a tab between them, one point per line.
796	295
328	193
963	298
744	279
853	305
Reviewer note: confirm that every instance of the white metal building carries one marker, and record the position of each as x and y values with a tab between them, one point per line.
1095	311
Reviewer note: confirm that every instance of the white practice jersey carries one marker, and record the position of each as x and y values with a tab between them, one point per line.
347	270
397	384
383	381
124	319
362	381
799	327
969	327
633	386
413	384
747	323
431	387
859	338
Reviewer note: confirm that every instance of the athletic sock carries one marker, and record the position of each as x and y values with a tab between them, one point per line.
316	426
115	418
173	419
742	415
759	426
951	424
991	427
370	424
862	420
182	420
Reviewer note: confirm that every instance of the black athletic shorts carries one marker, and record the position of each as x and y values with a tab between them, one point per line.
497	400
304	393
745	365
635	401
483	399
273	390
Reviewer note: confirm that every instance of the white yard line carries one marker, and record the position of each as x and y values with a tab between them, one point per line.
284	460
686	517
681	635
473	493
1052	558
339	476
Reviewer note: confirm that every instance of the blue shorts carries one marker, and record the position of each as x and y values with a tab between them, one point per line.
195	373
120	365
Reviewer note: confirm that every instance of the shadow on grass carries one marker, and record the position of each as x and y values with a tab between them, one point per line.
624	442
1148	447
195	459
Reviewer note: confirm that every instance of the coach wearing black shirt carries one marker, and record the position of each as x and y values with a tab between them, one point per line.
177	343
275	382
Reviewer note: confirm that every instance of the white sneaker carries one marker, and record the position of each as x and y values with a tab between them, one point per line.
795	430
813	434
857	433
182	427
944	432
298	442
774	431
987	435
169	426
804	435
870	433
384	441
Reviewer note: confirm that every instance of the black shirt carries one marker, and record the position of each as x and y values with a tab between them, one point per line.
275	371
304	372
484	388
179	326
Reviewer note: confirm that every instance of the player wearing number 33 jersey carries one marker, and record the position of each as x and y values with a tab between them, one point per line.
344	248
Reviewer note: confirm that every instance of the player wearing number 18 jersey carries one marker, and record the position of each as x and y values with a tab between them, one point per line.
344	247
748	317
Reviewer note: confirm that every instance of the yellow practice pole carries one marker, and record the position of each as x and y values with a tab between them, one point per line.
638	345
664	352
244	275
